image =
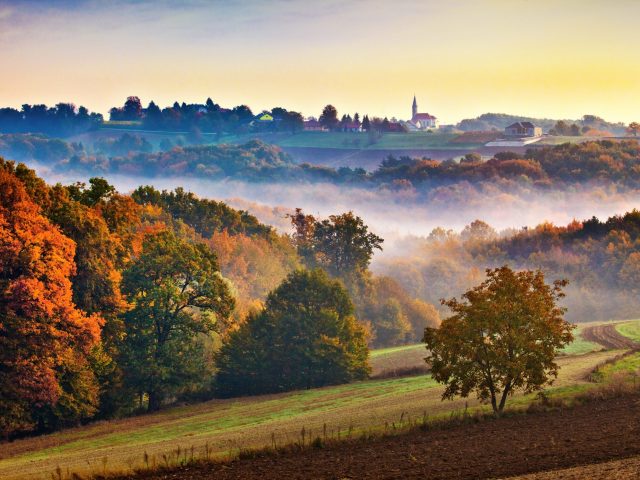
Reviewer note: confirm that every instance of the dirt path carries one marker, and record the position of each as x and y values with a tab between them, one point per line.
593	433
608	337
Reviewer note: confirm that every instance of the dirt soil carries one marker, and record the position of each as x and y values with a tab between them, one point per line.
608	337
616	470
600	431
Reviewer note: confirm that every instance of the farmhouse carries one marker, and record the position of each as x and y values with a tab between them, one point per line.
421	121
352	127
313	125
523	129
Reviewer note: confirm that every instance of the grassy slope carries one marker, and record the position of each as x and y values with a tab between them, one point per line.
397	358
579	345
226	425
331	140
630	330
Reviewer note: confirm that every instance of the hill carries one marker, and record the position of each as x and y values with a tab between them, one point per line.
224	427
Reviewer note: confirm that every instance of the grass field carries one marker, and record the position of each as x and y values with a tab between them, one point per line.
630	330
329	140
559	140
391	141
228	425
579	345
398	360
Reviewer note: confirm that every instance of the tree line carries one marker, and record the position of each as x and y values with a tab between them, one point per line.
61	120
600	258
256	161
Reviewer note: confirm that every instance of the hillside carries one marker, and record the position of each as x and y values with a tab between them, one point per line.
225	426
485	450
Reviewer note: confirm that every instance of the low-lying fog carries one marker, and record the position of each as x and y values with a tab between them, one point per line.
395	214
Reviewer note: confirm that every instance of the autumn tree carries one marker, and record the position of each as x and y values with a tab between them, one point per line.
179	298
634	129
342	244
305	337
503	336
394	316
45	340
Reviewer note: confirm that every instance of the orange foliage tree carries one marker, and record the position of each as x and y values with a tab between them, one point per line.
44	339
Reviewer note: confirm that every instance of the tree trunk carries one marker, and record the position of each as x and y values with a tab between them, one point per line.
505	393
154	402
494	404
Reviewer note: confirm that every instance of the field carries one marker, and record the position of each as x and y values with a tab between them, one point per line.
226	426
620	469
630	330
559	140
594	432
329	140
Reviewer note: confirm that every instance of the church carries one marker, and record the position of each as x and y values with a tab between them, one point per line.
421	121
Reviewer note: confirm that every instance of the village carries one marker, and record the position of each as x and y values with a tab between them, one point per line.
517	134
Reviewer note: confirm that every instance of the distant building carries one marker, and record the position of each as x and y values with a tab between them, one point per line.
313	125
264	117
421	121
523	129
352	127
396	127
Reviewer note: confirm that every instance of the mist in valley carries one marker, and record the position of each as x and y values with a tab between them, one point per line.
428	269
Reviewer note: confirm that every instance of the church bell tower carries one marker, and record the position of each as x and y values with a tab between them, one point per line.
414	107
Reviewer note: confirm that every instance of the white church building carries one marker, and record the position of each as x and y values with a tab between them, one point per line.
421	121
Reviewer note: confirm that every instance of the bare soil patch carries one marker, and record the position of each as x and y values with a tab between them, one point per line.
628	468
521	444
608	337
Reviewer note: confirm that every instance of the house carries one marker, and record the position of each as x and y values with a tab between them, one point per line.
313	125
352	127
396	127
421	121
523	129
264	117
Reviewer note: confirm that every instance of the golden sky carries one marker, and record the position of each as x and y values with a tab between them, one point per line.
556	59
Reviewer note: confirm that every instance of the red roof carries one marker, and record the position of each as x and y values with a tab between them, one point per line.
423	116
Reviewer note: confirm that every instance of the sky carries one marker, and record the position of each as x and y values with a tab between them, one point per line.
461	58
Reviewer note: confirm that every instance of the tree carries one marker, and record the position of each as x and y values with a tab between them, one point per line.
634	129
478	231
366	123
305	337
132	109
44	339
341	244
503	336
177	294
329	117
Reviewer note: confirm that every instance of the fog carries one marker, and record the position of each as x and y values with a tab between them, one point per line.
394	214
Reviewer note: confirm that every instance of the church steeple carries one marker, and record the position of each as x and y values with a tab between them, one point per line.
414	107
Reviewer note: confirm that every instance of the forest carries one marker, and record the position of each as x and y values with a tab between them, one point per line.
590	162
600	259
112	304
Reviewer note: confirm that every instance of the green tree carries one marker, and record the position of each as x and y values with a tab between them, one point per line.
305	337
503	336
178	295
329	117
342	244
